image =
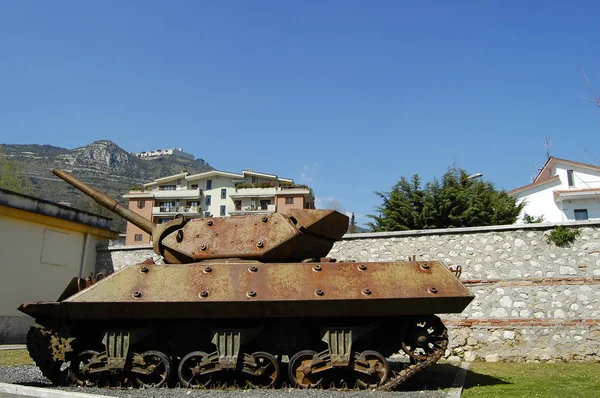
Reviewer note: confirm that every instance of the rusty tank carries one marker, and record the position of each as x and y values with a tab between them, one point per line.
247	300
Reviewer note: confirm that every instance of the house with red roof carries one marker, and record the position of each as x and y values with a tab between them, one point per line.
563	190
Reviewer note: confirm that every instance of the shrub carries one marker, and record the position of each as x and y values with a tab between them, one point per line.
563	237
529	219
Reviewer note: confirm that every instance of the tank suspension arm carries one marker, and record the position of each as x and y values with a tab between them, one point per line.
108	202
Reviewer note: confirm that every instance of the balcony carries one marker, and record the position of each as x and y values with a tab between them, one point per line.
254	193
177	194
171	210
252	210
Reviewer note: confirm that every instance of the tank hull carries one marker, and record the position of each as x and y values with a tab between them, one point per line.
209	290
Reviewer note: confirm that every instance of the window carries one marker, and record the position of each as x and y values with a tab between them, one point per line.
570	179
238	205
289	201
167	187
223	193
137	237
254	180
207	214
208	184
194	186
581	214
223	208
207	200
141	203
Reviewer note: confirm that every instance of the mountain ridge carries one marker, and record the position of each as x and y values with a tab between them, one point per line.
101	164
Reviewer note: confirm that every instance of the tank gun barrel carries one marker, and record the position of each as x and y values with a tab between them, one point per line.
108	202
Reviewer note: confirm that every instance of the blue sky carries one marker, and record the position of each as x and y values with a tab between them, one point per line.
346	96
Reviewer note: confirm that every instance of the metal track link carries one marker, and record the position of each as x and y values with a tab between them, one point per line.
402	376
39	346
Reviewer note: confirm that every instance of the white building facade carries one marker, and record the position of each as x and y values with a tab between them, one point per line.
213	194
563	190
178	152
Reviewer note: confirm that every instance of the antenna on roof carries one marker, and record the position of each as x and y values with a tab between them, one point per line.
547	144
595	100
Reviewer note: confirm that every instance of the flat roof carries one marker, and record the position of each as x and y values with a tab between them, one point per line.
52	209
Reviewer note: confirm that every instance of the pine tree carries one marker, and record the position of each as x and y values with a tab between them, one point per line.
454	201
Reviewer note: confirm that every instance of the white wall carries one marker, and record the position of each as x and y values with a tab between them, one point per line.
38	261
540	201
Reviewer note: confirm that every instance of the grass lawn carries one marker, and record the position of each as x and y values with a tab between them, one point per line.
508	380
15	357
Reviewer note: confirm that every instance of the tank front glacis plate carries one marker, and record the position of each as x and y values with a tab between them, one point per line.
241	290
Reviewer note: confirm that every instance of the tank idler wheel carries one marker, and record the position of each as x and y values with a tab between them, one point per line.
423	337
300	370
193	373
371	369
81	367
266	371
155	369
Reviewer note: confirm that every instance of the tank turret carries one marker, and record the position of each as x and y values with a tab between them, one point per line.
296	236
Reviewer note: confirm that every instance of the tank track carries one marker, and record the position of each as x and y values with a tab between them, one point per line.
48	349
408	372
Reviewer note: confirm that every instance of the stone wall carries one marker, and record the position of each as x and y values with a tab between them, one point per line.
533	301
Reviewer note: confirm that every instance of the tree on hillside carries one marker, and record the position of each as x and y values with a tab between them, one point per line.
12	176
353	228
454	201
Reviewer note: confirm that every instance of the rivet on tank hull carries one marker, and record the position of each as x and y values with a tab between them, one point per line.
317	267
319	292
432	290
251	293
367	292
137	294
362	267
203	294
144	270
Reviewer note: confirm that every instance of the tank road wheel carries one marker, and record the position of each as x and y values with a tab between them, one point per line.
371	369
300	372
192	373
81	367
266	371
423	337
155	369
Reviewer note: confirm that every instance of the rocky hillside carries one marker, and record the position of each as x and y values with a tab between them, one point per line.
101	164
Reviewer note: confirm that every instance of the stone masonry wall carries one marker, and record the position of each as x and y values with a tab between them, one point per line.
533	301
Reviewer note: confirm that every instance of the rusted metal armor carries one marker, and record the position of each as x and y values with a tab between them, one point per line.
238	300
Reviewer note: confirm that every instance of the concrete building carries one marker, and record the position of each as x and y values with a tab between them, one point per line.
214	194
563	190
178	152
43	246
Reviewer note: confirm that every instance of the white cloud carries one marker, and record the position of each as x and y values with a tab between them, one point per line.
309	169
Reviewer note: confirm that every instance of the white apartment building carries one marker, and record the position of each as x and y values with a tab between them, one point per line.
563	190
161	152
213	194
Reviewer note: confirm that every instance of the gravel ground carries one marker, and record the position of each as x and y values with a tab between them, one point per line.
427	385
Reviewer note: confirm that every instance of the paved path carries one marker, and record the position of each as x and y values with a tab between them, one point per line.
12	347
